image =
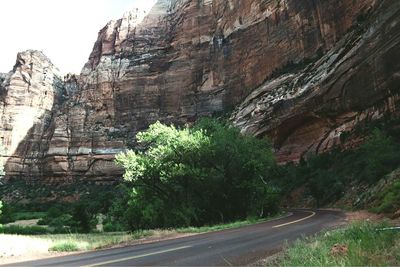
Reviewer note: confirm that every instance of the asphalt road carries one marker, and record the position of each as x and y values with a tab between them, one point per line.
238	246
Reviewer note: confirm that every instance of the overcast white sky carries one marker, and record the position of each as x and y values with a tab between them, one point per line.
65	30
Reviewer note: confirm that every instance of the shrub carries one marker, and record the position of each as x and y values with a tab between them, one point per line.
7	213
390	200
27	215
72	217
65	246
62	221
23	230
83	219
326	176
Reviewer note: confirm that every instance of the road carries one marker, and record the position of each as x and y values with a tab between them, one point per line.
238	246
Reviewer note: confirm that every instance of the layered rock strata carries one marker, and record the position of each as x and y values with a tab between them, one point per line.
28	96
180	60
356	82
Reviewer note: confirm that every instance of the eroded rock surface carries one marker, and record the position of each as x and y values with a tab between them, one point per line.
355	82
28	96
187	58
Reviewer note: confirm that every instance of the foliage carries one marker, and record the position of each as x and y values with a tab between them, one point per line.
209	173
64	221
65	246
23	230
53	213
94	194
381	156
366	247
83	219
28	215
390	199
7	213
218	227
327	176
71	217
117	216
79	216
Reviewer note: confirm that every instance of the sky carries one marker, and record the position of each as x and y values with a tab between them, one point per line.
65	30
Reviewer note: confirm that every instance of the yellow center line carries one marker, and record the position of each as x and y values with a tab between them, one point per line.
305	218
137	256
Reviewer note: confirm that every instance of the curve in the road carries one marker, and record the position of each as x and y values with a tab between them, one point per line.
238	246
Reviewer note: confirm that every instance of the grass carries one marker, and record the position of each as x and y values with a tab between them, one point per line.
225	226
364	245
83	242
75	242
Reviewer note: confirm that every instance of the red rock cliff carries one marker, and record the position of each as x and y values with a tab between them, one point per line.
189	58
356	82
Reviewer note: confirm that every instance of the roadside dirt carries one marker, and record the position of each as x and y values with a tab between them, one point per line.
15	248
32	222
363	215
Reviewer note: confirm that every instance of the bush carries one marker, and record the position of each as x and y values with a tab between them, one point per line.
62	221
112	226
23	230
390	200
72	217
83	220
379	156
65	246
27	215
7	214
326	176
206	174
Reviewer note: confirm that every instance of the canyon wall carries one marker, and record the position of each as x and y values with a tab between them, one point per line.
28	96
184	59
311	111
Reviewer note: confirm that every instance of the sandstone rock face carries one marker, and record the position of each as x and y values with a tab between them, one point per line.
355	82
176	62
187	59
28	96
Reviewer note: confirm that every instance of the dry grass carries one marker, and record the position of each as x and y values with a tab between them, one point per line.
14	248
16	245
40	246
31	222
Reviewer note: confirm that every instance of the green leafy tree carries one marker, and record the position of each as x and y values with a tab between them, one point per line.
379	155
82	219
193	176
326	176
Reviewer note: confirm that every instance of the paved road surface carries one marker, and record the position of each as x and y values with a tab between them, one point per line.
238	246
